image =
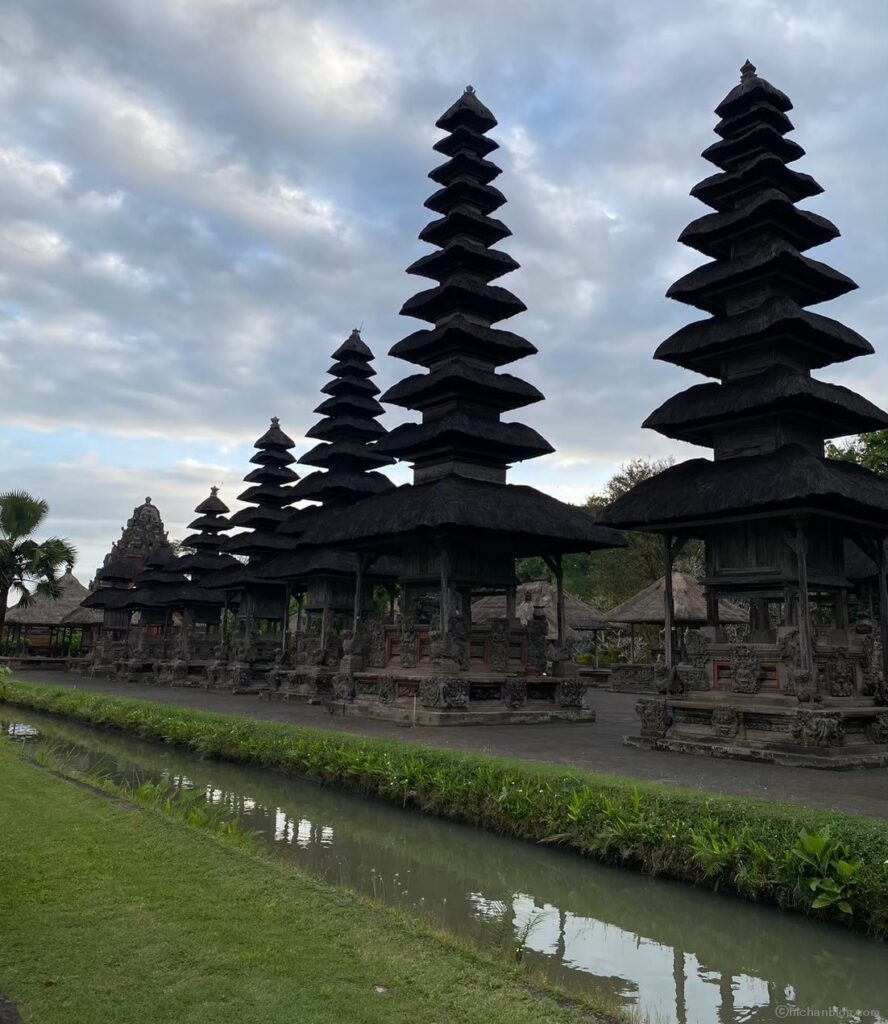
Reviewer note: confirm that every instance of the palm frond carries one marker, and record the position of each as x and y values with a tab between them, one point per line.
20	514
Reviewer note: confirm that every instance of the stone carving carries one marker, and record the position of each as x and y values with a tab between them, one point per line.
499	645
745	670
515	693
817	728
444	692
872	678
343	687
537	631
215	671
408	642
795	679
387	691
655	717
838	674
375	647
570	692
726	722
693	670
878	728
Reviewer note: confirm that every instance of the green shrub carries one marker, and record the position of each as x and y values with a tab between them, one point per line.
817	862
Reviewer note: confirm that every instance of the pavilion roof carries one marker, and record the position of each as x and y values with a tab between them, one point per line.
647	606
48	611
579	616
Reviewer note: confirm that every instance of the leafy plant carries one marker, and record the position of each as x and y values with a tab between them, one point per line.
826	867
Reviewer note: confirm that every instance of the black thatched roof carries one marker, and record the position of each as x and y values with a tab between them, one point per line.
788	479
778	324
462	396
206	555
699	414
42	610
313	562
534	522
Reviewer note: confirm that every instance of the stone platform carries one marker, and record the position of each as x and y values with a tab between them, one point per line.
834	733
530	714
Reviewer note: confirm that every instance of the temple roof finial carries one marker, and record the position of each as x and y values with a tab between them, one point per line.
147	501
469	89
214	491
747	71
275	422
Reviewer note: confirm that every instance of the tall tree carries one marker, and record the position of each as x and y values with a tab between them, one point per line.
28	567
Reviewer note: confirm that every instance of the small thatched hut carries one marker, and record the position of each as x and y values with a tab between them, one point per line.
531	597
46	623
647	607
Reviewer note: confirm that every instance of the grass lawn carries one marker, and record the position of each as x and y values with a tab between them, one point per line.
116	915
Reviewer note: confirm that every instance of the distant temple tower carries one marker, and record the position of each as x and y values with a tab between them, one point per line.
773	512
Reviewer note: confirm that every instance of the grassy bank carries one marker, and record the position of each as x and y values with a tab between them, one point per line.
816	862
114	913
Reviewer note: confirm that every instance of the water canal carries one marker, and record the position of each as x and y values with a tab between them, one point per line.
676	953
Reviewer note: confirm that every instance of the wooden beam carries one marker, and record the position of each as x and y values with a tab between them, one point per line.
444	561
286	630
882	694
799	544
668	601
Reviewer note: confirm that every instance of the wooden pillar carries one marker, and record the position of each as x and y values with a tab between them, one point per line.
325	613
799	544
445	587
840	609
391	594
510	603
286	630
668	603
711	607
359	592
883	615
559	599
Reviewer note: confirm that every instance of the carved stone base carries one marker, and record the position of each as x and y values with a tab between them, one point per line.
830	734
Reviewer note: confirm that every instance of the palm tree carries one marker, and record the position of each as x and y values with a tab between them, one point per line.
26	566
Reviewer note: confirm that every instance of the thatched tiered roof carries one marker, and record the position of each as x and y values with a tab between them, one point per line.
647	606
50	611
205	555
462	449
579	617
768	418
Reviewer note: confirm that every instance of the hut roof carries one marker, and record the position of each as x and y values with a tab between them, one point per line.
81	616
690	604
579	616
48	611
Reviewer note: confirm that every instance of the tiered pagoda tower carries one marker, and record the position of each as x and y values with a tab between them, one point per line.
347	464
258	601
205	554
459	527
462	397
773	511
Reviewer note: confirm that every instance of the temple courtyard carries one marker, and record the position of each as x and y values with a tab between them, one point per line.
594	747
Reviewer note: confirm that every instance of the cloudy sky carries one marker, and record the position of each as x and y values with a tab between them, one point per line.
200	198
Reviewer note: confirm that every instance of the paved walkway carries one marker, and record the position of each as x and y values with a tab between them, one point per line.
596	747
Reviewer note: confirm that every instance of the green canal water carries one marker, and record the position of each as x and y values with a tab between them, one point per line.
676	953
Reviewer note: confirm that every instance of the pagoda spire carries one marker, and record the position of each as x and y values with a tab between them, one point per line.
205	555
346	457
268	496
760	339
462	397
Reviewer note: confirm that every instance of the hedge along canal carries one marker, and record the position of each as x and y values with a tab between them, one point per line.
667	950
829	865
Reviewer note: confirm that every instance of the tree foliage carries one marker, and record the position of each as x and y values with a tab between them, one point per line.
28	567
606	578
868	450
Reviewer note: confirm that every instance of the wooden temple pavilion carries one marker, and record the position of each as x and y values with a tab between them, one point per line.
336	586
47	627
774	513
262	618
460	526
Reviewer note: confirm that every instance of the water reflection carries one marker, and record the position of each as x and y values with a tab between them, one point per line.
675	953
